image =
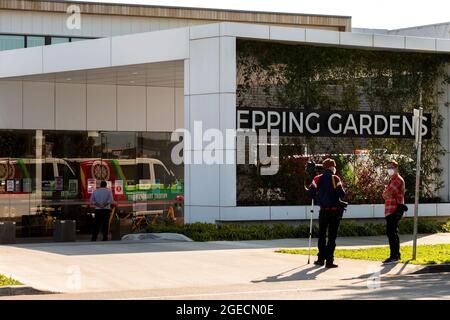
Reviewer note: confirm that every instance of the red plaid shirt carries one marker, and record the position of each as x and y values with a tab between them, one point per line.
393	194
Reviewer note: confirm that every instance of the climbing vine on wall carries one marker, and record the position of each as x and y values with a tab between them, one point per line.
328	78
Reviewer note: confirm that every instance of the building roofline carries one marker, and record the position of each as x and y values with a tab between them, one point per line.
174	44
211	14
422	26
199	8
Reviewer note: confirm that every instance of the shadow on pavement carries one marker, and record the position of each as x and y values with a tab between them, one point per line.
398	287
309	273
384	270
20	291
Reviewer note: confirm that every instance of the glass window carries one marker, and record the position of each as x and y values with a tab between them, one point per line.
56	40
161	174
143	171
33	41
77	39
48	172
129	170
8	42
51	174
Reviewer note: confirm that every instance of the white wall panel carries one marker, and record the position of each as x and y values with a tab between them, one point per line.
10	104
443	209
416	43
205	183
227	64
378	210
387	41
205	110
179	108
186	76
322	36
425	210
203	214
244	213
359	211
205	60
205	31
131	108
148	47
244	30
443	45
228	183
288	213
227	111
356	39
101	107
77	55
70	106
287	34
160	109
38	105
20	62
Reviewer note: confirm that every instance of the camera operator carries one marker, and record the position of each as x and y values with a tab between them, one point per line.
327	189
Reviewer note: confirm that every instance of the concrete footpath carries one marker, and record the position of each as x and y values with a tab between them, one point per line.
212	270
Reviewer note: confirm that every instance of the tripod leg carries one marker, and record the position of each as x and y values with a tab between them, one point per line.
310	230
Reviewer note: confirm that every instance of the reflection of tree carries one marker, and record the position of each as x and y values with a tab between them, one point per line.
71	144
16	144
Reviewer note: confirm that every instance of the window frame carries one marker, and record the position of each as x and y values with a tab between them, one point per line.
47	38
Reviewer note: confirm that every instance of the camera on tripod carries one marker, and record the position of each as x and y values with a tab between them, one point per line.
313	169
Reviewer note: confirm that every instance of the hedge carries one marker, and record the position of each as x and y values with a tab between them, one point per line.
231	232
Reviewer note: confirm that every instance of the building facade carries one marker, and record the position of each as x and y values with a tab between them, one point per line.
74	113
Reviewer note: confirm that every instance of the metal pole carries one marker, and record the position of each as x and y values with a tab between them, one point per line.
416	198
310	230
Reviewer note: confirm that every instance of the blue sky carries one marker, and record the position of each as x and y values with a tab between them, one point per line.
384	14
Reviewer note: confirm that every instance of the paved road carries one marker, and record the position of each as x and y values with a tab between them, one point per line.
212	270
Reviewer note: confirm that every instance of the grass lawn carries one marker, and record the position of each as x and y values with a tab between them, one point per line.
5	281
426	254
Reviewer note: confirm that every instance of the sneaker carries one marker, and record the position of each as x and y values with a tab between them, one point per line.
390	261
319	262
331	265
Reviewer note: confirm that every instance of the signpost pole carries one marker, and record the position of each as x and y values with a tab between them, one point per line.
418	132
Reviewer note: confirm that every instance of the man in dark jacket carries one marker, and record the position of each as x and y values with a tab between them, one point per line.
327	189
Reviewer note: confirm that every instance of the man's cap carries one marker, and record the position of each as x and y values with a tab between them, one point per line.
328	163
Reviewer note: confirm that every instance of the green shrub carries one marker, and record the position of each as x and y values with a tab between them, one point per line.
446	226
425	225
233	232
7	281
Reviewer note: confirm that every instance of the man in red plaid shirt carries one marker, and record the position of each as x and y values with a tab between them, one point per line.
393	194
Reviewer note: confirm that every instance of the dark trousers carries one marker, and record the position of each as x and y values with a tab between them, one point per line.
101	220
392	234
328	221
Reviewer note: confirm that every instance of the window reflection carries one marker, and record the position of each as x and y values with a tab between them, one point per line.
33	41
47	175
8	42
56	40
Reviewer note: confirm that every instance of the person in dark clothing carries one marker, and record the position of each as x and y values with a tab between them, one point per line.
102	199
327	189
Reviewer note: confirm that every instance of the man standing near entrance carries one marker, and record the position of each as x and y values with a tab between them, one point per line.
102	199
327	189
394	197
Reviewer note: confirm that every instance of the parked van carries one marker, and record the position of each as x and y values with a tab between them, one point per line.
18	185
140	184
